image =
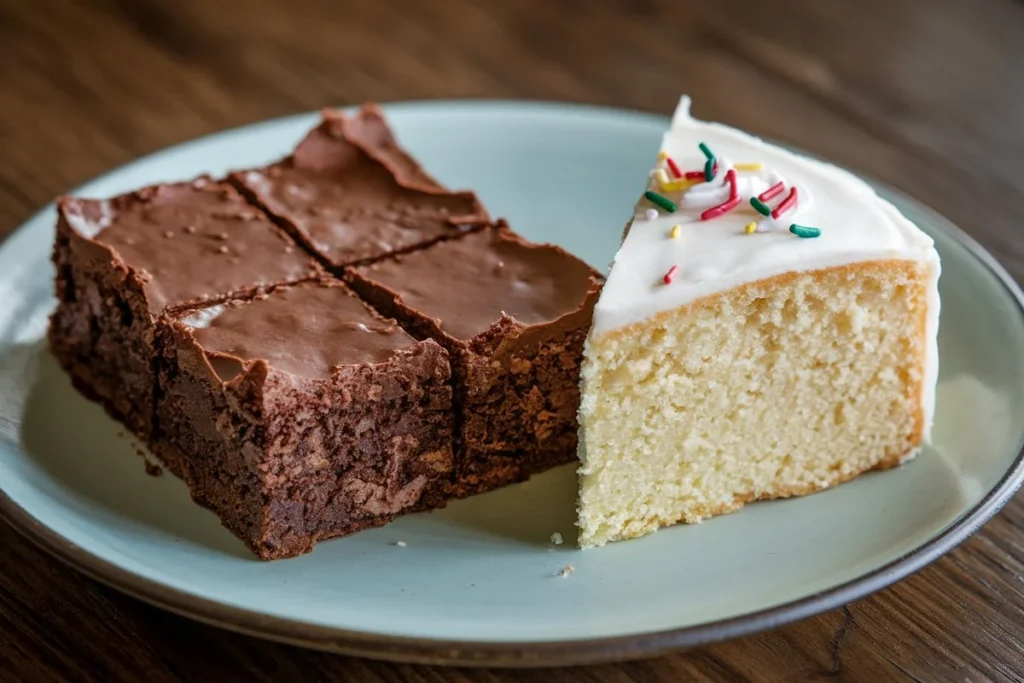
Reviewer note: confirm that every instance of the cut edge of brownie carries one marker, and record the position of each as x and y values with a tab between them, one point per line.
494	349
122	284
277	526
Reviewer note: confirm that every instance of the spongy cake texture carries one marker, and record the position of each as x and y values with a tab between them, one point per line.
774	388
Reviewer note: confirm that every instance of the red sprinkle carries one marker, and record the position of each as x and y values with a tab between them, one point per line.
772	191
788	203
670	275
730	177
723	208
673	167
699	175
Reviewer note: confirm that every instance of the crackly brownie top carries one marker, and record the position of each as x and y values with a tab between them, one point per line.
196	240
353	194
465	285
306	330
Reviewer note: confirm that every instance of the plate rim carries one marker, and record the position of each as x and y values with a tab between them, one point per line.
522	653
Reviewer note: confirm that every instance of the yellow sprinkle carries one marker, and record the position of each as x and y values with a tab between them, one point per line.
662	156
675	231
662	176
751	228
749	167
677	185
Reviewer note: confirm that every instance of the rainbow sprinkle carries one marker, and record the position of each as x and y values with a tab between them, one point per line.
723	208
804	231
788	203
707	151
658	200
760	206
749	168
709	169
751	228
673	167
772	191
670	275
662	177
674	234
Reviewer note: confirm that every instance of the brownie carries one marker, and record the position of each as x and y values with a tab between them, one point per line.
350	194
513	316
122	263
303	415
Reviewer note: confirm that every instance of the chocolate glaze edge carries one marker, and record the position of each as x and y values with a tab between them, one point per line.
174	321
387	152
97	249
505	328
300	238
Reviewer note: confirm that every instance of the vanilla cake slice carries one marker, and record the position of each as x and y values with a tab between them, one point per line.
768	329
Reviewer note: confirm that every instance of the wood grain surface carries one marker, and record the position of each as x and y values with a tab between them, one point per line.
924	94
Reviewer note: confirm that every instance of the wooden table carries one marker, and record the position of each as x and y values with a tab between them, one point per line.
923	94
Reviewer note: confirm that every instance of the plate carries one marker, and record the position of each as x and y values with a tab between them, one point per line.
477	582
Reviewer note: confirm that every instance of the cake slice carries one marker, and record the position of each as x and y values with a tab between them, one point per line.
294	439
351	195
768	329
513	316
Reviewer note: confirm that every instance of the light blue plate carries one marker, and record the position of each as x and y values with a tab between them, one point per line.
477	582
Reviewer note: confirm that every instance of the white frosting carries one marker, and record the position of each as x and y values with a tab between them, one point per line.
718	254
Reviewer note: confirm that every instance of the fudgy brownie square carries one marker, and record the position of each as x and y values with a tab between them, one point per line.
303	415
350	194
122	263
513	316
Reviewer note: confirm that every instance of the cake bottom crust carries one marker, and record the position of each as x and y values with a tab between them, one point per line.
697	514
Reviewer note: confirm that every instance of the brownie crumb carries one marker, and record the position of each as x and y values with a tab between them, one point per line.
556	538
153	470
569	569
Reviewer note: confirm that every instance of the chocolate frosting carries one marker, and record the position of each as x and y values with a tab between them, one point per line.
194	241
467	284
352	194
306	330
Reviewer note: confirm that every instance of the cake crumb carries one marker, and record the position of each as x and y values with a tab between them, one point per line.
401	544
569	569
556	538
153	470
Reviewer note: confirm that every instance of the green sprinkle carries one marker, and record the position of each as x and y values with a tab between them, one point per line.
761	207
657	199
709	169
707	151
804	231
